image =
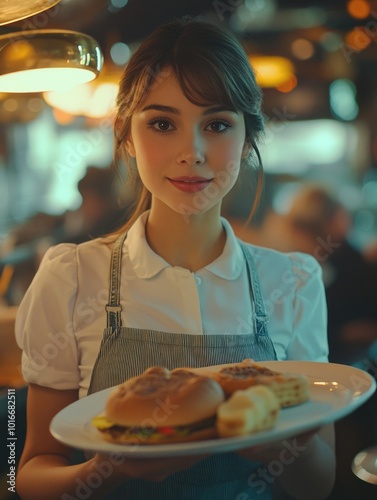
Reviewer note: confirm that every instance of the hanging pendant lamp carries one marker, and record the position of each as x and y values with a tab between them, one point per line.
45	60
15	10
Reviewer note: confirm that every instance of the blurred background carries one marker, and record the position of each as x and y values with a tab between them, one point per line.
316	62
317	65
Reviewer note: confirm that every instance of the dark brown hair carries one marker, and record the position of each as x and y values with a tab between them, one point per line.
211	67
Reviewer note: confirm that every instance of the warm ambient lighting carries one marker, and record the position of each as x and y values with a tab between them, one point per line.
272	71
358	39
44	60
302	49
359	9
289	85
20	108
94	100
15	10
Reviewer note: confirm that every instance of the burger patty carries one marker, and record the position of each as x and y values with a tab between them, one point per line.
156	435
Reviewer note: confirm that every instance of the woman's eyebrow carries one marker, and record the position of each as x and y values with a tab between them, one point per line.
219	109
161	107
175	111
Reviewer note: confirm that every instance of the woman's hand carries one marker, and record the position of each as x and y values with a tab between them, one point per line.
154	469
303	466
280	450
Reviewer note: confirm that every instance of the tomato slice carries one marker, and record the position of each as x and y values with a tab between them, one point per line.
168	431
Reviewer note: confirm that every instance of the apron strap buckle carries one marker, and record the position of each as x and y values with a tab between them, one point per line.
113	309
113	315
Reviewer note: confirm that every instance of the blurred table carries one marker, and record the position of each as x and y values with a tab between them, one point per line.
10	353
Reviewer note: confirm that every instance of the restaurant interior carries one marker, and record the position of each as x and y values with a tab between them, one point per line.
316	62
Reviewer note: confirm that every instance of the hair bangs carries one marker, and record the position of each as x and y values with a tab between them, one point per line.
202	84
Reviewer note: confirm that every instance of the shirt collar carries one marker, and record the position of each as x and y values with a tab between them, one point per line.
146	263
229	264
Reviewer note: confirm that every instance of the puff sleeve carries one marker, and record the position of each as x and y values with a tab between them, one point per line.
44	324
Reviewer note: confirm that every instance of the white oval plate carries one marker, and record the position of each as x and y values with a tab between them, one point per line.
336	391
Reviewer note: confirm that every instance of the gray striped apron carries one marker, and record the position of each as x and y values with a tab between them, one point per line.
126	352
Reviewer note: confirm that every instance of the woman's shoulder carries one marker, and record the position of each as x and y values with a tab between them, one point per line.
66	259
275	259
71	251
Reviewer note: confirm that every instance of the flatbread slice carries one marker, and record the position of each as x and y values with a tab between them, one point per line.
290	388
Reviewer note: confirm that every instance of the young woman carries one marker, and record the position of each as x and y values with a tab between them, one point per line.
183	290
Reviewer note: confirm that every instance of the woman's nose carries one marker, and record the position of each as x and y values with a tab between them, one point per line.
191	152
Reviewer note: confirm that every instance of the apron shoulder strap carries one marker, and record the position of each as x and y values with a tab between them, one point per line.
113	308
261	318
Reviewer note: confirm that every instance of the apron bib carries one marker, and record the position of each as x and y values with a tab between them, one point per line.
126	352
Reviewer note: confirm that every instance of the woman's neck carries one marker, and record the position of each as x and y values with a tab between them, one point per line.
189	242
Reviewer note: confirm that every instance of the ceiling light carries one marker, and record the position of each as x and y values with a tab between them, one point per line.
12	11
44	60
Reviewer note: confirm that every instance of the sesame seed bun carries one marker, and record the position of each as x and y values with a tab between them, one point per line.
159	397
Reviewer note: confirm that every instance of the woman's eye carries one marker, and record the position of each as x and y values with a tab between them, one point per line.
160	125
219	126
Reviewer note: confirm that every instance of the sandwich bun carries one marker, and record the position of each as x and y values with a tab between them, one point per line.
162	406
163	397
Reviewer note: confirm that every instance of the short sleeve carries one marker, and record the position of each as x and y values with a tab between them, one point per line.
44	327
309	330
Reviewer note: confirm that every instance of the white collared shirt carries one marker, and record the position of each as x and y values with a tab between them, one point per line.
62	316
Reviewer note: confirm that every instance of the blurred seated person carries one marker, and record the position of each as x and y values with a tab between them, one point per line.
317	223
261	229
100	212
370	252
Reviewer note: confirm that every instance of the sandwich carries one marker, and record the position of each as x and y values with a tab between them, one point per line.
290	388
160	407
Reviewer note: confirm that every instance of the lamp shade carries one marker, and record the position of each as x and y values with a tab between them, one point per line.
44	60
15	10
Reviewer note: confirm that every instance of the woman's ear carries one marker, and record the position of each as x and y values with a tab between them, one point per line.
130	148
246	149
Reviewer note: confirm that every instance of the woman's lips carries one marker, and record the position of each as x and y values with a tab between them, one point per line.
190	184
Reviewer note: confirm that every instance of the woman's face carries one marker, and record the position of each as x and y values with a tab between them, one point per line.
188	156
